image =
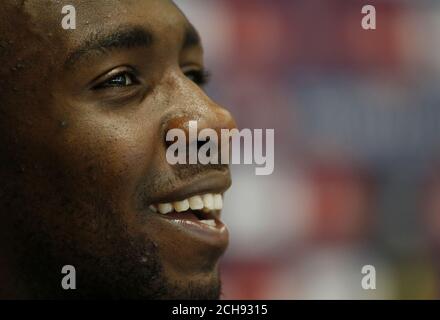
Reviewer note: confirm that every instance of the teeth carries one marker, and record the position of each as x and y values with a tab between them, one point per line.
196	203
210	222
206	203
218	202
181	206
165	208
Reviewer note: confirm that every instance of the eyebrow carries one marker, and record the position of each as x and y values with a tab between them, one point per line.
125	38
122	38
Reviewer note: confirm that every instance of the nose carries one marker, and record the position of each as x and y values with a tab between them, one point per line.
213	117
192	104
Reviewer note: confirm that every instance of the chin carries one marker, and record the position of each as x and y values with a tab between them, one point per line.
195	287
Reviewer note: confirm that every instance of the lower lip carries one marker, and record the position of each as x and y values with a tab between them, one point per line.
191	226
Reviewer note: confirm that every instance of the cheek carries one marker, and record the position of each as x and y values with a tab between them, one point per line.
108	157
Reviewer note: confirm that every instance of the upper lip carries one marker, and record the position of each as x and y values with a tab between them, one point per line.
212	182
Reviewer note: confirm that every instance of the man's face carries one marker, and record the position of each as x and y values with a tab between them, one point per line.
83	151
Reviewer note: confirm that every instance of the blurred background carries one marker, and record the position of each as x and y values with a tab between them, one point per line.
356	115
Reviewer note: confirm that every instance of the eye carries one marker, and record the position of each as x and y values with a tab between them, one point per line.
123	79
199	77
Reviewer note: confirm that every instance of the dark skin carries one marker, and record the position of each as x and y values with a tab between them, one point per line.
84	115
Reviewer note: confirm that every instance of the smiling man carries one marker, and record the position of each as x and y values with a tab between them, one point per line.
85	182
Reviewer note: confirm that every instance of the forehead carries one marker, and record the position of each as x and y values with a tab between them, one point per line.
161	17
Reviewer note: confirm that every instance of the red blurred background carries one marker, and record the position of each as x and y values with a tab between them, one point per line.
356	116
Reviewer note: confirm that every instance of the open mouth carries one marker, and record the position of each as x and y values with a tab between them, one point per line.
199	209
191	212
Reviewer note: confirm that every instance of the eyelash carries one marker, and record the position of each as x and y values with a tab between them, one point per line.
199	77
133	80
